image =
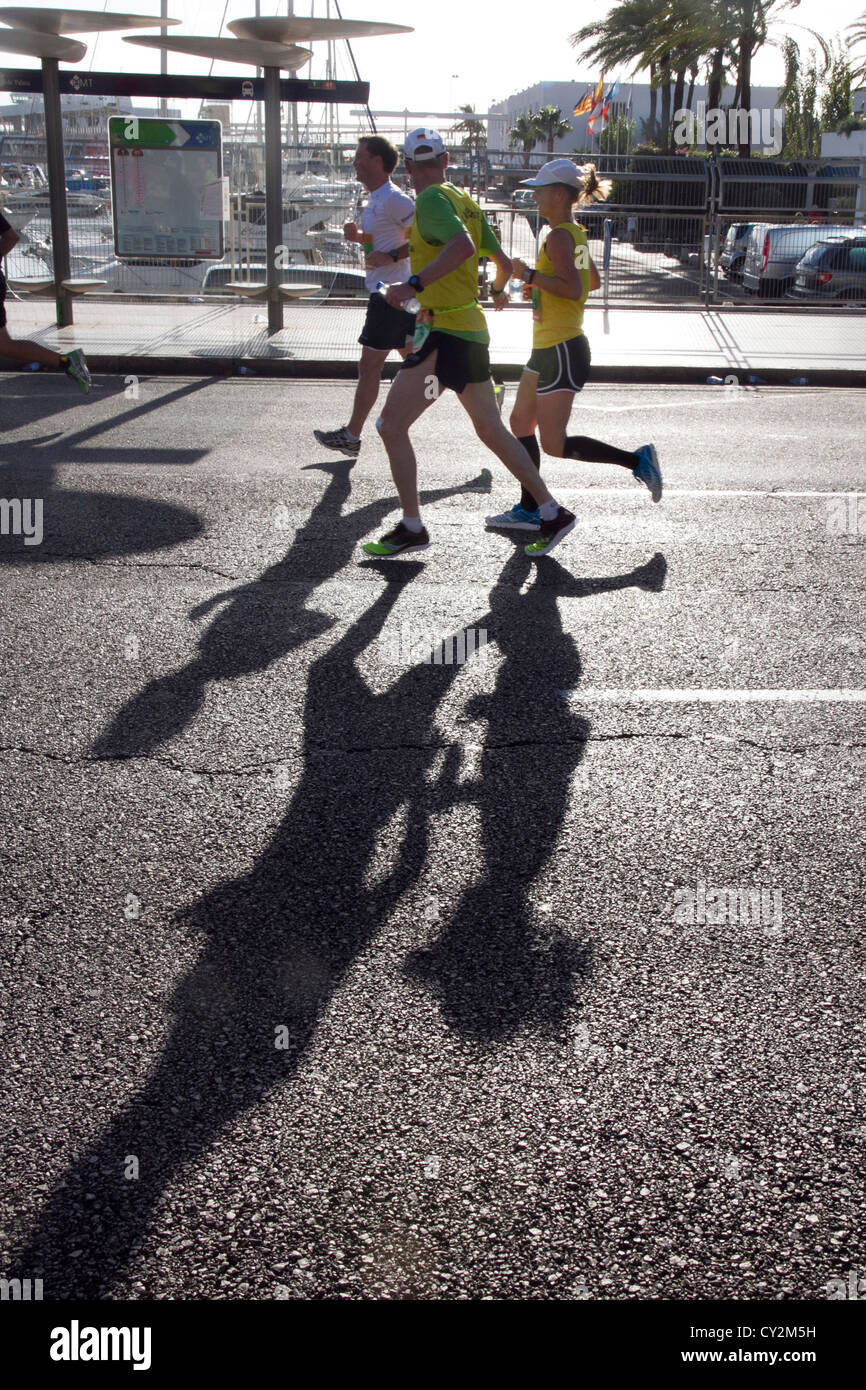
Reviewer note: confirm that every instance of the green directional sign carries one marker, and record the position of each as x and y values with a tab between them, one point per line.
147	132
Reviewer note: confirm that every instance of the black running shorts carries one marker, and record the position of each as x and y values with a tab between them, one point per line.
2	301
459	363
563	367
385	328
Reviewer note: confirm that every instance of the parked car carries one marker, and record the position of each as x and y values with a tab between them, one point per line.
772	253
523	202
833	269
734	249
336	284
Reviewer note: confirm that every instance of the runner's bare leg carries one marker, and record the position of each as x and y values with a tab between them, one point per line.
21	350
479	402
413	390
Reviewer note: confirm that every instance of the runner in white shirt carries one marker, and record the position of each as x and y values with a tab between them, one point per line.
385	221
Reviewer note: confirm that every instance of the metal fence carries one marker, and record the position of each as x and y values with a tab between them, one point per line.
660	238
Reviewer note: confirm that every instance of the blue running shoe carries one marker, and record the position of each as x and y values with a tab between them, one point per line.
648	471
518	519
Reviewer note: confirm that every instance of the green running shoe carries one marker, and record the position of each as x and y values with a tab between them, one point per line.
551	533
77	369
400	541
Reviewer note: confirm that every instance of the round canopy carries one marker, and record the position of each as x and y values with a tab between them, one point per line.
37	45
76	21
302	29
251	54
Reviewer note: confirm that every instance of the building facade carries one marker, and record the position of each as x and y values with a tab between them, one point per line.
632	99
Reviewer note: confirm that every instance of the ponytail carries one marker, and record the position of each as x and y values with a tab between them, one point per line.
594	189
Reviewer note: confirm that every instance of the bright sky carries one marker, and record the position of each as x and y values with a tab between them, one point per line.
460	52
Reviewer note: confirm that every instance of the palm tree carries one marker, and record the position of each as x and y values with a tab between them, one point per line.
858	36
626	35
719	48
524	132
473	131
669	37
550	125
754	18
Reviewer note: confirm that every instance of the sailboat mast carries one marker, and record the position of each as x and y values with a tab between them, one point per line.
258	104
293	105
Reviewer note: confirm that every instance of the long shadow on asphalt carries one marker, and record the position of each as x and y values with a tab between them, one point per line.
281	938
259	623
91	524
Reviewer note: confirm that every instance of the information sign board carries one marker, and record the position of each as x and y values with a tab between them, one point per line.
169	198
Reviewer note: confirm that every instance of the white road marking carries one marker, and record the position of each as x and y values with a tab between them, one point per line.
697	695
625	490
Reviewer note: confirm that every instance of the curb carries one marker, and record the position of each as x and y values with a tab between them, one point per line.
312	370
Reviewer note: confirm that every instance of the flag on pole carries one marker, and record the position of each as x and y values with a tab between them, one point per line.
602	117
590	99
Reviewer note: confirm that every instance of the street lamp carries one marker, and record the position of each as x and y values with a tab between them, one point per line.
42	35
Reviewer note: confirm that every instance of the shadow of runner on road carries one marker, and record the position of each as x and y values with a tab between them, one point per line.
259	623
281	938
487	968
94	525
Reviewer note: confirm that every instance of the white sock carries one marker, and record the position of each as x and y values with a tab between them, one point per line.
356	438
548	510
413	524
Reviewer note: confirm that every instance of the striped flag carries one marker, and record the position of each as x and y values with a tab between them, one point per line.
604	114
590	99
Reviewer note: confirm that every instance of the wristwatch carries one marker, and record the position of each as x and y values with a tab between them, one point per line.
415	283
395	255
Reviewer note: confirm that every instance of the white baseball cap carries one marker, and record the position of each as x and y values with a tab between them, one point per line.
424	144
557	171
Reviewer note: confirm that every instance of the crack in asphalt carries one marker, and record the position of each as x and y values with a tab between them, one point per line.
54	558
254	769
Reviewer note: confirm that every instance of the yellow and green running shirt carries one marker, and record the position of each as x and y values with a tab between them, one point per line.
441	211
555	320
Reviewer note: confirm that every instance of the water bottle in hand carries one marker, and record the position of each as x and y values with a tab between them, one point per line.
410	306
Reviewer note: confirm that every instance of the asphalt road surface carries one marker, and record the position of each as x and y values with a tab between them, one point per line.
335	972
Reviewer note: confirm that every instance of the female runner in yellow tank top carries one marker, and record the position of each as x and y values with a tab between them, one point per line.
559	364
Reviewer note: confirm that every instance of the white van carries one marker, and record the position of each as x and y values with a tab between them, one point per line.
772	252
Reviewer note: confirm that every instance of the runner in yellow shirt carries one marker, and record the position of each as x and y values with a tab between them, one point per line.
451	346
559	364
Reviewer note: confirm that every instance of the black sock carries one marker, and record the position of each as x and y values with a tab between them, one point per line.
579	446
530	444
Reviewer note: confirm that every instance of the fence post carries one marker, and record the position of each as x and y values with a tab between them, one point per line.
273	194
608	236
710	238
57	188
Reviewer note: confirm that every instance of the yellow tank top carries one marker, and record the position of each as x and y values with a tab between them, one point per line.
555	320
453	300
